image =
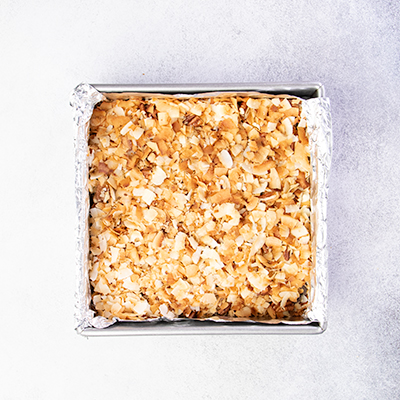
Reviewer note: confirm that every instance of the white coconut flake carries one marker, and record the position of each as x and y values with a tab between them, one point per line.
141	307
304	239
255	282
138	192
291	208
137	133
163	310
102	287
149	214
128	284
119	111
271	126
94	272
226	159
174	255
302	123
97	213
136	238
124	273
193	243
208	298
196	254
116	307
288	126
181	200
276	101
209	241
158	284
258	243
291	269
239	240
299	231
253	103
158	176
102	243
151	260
246	167
203	166
210	254
125	129
220	111
148	196
180	241
114	254
285	105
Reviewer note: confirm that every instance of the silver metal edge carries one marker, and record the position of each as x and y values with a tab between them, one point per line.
206	328
305	90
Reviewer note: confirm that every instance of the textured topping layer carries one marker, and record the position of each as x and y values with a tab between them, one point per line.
199	208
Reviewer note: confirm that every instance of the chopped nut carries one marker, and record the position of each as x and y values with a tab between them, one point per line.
193	120
104	169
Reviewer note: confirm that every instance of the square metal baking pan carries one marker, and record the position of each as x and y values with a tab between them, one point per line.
188	327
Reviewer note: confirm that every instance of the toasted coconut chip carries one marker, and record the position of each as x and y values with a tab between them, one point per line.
257	245
290	222
158	177
292	208
137	133
124	273
263	168
157	242
299	230
301	155
208	298
125	129
148	196
119	111
180	241
220	197
150	214
287	123
200	208
169	108
225	159
273	241
275	181
141	307
163	118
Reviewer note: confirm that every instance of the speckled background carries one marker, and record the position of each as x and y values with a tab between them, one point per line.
47	48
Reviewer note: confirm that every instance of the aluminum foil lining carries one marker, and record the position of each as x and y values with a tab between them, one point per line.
319	130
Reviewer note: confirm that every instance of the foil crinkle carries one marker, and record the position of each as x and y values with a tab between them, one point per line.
319	129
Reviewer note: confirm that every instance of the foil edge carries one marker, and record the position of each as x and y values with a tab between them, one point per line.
83	100
319	129
317	112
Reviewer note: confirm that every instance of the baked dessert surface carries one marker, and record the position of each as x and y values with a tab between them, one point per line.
200	208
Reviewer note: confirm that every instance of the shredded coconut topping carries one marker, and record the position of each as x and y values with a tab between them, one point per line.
199	208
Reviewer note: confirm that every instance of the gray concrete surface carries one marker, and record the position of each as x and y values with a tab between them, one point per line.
47	48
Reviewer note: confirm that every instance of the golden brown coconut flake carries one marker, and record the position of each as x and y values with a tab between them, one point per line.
200	208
